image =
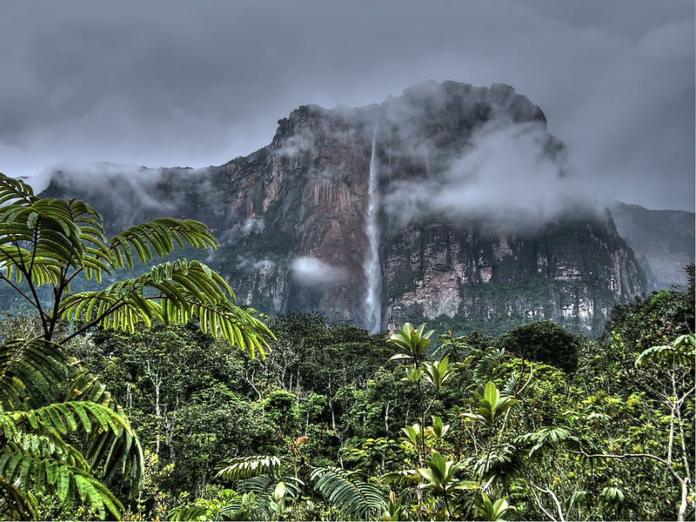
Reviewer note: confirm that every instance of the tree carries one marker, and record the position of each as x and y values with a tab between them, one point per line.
45	244
546	342
674	365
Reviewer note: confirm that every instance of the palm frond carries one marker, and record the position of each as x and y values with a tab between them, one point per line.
190	512
501	459
548	436
402	477
486	364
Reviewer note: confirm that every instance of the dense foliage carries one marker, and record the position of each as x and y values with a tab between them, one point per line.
62	436
335	423
326	422
545	342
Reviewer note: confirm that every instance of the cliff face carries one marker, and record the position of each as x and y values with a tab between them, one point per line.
292	219
663	241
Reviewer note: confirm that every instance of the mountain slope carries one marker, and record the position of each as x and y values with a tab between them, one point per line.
454	244
663	241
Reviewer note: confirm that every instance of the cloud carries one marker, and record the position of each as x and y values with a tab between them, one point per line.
297	145
245	263
264	264
252	225
130	188
177	83
311	271
511	174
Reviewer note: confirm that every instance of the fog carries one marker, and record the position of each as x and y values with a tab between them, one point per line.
311	271
506	176
193	84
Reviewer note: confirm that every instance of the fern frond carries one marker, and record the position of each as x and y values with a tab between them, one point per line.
174	293
86	386
45	228
158	238
247	467
30	372
68	483
112	452
96	259
73	416
354	498
15	191
16	504
116	453
16	260
114	447
44	446
263	485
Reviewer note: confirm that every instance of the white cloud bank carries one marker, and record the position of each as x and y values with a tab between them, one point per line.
511	173
311	271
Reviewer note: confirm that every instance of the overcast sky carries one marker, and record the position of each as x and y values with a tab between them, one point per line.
198	83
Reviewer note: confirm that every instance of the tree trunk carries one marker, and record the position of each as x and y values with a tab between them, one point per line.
684	504
156	384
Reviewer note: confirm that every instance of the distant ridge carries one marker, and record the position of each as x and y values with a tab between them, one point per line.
663	241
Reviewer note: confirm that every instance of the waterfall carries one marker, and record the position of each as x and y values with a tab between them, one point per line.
371	267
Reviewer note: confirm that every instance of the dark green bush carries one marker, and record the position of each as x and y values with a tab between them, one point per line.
546	342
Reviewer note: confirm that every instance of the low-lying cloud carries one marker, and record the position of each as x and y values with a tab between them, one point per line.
513	174
128	187
311	271
253	225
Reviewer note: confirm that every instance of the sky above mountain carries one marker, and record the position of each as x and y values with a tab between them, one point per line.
197	83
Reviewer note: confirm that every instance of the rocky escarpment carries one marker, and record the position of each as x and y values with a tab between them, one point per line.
291	219
569	272
663	241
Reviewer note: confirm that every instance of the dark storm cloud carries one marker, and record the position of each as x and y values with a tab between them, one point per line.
197	83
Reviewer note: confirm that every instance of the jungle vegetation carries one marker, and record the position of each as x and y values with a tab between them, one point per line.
157	397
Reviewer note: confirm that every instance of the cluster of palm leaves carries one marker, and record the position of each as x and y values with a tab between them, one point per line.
61	433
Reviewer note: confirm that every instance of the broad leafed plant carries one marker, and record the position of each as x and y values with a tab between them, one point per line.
61	433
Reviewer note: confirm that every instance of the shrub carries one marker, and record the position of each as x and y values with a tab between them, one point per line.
544	341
